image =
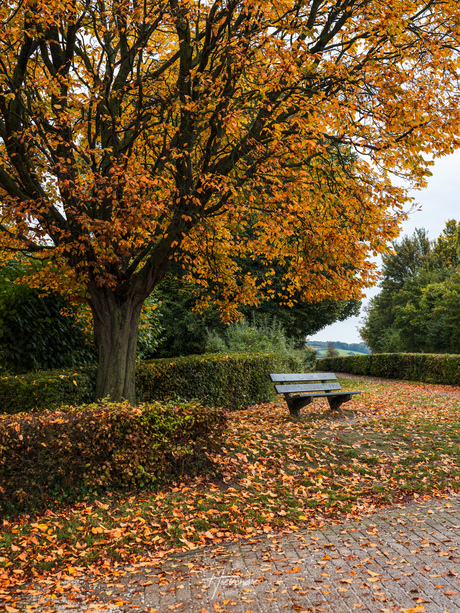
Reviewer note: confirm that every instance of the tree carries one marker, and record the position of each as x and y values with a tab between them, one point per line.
303	319
417	307
331	351
399	266
405	260
133	134
427	319
38	331
185	327
446	251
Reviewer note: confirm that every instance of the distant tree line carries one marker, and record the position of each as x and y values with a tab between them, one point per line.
357	347
417	309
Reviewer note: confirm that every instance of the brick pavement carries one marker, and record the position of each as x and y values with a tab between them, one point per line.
403	558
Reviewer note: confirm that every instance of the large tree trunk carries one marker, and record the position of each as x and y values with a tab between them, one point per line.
116	324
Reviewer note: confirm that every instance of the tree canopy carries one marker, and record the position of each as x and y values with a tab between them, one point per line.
132	134
185	326
417	309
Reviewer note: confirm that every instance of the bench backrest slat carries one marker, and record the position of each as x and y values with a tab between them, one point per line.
311	376
306	387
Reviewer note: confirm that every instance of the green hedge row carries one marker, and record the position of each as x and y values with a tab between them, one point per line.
230	381
55	454
427	367
47	389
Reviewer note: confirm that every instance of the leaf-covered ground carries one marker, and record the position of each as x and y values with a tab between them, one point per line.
395	442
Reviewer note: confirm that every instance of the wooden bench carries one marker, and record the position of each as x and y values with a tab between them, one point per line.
299	389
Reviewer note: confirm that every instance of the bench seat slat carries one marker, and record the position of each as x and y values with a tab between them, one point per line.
306	387
327	394
322	376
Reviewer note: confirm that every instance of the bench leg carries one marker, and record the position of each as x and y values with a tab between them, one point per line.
295	404
335	402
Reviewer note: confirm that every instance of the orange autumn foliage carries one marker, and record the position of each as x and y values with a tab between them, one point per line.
132	134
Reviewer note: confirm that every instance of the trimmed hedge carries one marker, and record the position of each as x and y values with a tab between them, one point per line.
231	381
427	367
57	454
47	389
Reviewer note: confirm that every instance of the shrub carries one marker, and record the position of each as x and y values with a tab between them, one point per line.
262	335
47	389
427	367
232	381
59	454
37	330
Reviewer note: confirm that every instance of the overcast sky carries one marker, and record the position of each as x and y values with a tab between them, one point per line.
439	201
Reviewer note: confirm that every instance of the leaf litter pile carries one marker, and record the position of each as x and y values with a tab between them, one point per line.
395	442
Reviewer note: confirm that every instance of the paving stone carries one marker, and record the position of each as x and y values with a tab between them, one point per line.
394	560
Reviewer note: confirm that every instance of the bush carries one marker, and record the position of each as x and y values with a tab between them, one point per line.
39	331
229	381
262	335
150	328
57	455
427	367
47	389
232	381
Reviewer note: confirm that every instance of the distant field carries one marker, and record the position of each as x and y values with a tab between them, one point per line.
321	352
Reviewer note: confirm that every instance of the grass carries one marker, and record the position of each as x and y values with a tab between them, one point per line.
321	353
394	442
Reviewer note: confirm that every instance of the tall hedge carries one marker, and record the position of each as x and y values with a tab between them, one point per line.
229	381
47	389
232	381
427	367
57	454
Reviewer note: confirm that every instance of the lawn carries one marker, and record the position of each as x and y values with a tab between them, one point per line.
395	442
